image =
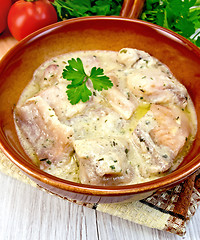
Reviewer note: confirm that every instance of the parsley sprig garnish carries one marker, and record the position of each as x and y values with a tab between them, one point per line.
77	90
181	16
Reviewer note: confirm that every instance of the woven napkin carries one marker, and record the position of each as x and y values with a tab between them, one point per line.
169	210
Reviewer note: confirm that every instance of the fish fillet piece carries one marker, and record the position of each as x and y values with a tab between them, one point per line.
103	161
50	76
56	98
50	139
160	135
89	62
156	86
173	127
120	103
129	56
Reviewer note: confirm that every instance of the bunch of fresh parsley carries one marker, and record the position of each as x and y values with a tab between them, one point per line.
77	90
81	8
181	16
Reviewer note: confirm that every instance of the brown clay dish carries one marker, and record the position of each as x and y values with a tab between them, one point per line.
104	33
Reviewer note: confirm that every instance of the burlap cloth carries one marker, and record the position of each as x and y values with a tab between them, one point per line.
167	211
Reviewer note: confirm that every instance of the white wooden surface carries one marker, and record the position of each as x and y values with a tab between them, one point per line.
27	213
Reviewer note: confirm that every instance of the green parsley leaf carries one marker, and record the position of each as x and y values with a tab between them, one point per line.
77	90
184	27
74	71
99	80
81	8
180	16
78	93
198	42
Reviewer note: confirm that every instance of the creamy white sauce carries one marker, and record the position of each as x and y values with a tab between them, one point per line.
98	119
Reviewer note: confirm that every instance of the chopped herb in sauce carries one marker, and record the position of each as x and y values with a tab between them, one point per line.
126	151
43	159
112	167
123	51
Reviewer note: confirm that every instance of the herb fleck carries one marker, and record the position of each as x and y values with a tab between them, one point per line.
126	151
43	159
112	167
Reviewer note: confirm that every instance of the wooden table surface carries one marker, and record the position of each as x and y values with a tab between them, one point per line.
27	213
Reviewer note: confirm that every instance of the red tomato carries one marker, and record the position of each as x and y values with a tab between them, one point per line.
4	8
27	16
